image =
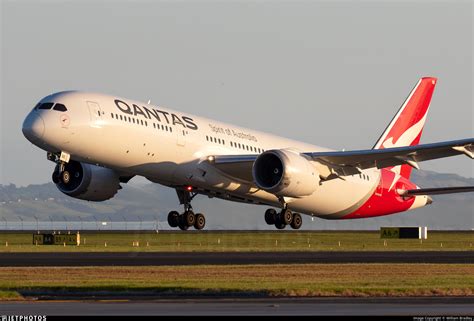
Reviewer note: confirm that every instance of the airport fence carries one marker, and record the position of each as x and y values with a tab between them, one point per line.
81	225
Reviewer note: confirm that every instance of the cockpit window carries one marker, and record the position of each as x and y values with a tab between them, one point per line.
45	106
60	107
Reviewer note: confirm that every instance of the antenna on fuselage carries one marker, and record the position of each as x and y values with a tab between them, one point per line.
149	101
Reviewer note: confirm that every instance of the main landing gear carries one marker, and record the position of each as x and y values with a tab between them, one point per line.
283	218
187	219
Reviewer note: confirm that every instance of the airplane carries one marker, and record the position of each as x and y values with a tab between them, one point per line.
99	142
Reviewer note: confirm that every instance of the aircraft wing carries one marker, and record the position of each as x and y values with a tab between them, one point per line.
352	161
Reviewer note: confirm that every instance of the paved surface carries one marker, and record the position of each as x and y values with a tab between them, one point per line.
193	258
313	306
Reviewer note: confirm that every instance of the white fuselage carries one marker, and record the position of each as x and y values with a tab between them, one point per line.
170	148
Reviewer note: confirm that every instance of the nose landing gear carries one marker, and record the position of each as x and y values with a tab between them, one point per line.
61	174
187	219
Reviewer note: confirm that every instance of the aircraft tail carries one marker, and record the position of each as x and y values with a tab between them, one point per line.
406	127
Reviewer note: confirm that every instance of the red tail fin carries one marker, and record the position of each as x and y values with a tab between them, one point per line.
407	126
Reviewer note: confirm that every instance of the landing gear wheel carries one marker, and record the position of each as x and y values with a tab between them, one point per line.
173	218
297	221
183	227
66	177
270	216
182	223
189	218
56	177
280	225
200	222
286	216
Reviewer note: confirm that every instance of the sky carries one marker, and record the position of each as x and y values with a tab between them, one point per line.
330	73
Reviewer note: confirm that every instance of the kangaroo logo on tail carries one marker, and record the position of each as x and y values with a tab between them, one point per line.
406	127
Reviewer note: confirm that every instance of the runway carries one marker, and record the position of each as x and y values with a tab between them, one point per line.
18	259
274	306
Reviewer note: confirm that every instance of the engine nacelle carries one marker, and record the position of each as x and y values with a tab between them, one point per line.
87	182
285	173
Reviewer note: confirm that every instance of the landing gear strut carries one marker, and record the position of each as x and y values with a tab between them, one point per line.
283	218
187	219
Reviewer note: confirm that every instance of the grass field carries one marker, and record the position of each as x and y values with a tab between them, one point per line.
244	241
253	280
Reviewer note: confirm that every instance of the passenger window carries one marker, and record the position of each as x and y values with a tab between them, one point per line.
45	106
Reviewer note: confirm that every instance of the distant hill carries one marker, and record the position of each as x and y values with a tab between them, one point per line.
152	202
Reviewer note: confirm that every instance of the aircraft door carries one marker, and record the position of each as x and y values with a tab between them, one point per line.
94	110
181	137
379	189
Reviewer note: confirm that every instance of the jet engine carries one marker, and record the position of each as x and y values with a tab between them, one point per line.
285	173
86	181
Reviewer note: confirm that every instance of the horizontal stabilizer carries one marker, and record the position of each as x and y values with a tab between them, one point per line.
437	191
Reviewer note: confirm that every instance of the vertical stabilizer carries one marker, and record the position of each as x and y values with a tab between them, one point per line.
406	127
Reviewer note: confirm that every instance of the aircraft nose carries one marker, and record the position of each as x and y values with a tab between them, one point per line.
33	127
